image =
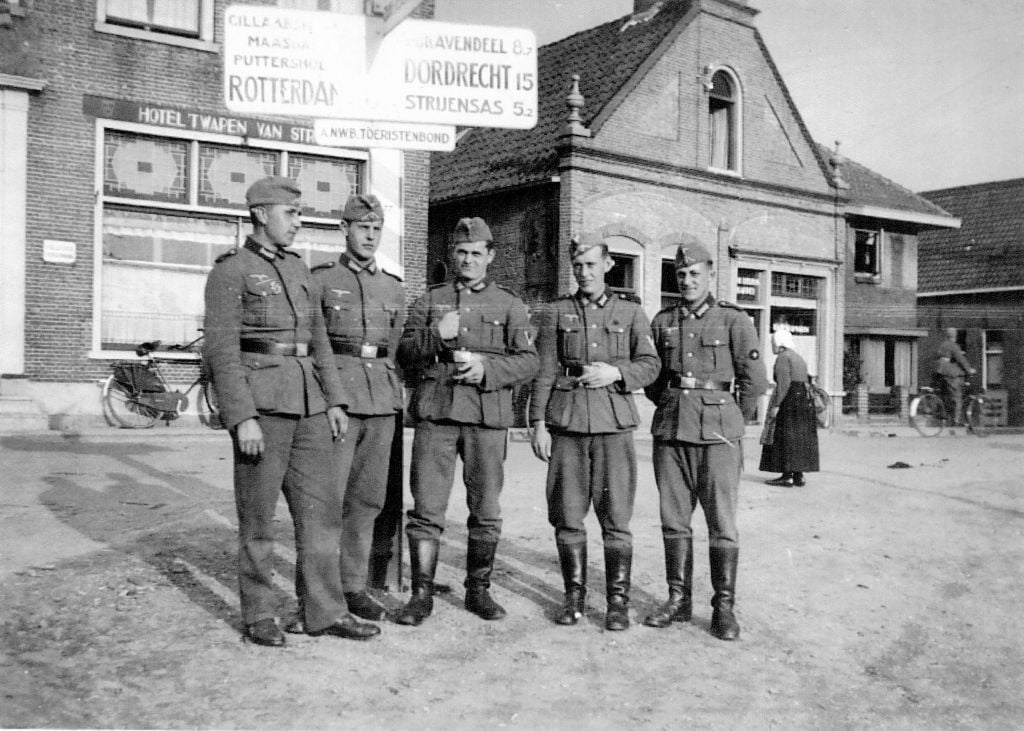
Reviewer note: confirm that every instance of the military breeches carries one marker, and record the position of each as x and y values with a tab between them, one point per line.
364	457
297	460
592	468
434	449
706	473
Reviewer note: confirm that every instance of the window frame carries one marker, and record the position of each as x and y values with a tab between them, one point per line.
204	41
735	151
879	234
192	208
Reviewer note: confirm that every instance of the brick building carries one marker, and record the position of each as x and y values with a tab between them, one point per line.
675	119
973	279
123	177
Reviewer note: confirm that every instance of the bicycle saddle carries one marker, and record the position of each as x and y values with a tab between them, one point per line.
145	349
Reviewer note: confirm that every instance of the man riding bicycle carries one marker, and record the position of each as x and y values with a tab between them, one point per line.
950	368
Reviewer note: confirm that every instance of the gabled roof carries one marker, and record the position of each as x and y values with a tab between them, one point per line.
605	57
871	194
988	250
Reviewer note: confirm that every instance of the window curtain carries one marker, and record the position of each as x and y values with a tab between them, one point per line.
719	121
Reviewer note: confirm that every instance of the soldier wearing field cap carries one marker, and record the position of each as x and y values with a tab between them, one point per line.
465	345
711	377
595	349
364	309
268	353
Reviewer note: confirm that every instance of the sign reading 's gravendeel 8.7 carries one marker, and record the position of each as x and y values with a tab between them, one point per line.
334	65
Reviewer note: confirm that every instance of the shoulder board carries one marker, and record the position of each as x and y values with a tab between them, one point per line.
225	255
325	265
296	254
507	289
730	305
629	297
392	275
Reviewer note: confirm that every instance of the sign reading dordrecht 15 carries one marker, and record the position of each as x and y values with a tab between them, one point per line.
334	65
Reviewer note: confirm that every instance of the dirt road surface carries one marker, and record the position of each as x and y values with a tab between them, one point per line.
876	597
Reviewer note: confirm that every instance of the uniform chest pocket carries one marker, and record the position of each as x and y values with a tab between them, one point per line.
714	348
341	312
490	333
617	337
570	337
261	299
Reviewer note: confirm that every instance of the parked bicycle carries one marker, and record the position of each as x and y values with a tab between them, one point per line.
137	395
929	414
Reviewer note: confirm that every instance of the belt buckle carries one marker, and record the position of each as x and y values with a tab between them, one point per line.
367	351
301	350
687	382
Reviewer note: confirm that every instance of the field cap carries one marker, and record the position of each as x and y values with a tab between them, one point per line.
272	190
582	243
691	252
470	230
363	207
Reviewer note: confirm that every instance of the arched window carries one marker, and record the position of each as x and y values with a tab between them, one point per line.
723	122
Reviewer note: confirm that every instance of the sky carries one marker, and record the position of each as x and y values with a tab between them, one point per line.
928	93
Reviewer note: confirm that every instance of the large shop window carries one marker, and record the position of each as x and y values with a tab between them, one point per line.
171	206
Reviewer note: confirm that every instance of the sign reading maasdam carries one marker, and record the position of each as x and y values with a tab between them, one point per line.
317	64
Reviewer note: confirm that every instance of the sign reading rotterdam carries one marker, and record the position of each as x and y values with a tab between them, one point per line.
332	65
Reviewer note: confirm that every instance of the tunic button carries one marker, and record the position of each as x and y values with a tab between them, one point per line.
593	345
686	391
689	374
465	329
689	355
718	342
692	334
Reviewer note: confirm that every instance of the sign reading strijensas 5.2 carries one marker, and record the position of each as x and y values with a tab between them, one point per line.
335	65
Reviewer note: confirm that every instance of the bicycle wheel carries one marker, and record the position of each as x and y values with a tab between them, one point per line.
124	407
210	398
975	413
825	417
928	414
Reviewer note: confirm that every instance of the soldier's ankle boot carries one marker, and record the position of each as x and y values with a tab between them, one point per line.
573	560
618	563
479	564
679	574
723	579
423	565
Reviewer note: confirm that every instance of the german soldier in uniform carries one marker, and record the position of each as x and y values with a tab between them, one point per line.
268	354
465	345
708	349
950	368
595	349
364	309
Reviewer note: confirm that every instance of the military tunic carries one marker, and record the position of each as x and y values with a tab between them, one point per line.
698	425
364	309
593	459
269	357
468	420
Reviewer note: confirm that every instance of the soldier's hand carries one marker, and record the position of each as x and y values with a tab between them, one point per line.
249	436
599	375
471	372
338	420
448	325
541	441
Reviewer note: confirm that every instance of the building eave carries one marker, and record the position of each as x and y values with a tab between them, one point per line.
904	332
959	292
894	214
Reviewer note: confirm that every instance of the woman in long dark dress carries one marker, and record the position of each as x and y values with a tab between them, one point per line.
794	449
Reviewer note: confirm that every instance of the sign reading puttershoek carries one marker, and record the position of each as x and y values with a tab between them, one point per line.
333	65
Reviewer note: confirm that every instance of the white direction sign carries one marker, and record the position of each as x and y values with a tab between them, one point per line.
395	135
335	65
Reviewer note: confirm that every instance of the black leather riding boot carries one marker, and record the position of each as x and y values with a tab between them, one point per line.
618	563
679	574
573	559
423	565
723	579
479	564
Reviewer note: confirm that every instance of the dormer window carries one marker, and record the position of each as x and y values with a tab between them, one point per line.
723	122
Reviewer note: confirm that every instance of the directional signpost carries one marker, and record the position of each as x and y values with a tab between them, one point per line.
335	66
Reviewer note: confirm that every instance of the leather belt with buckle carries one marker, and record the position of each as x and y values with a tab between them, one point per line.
678	381
575	371
364	350
269	347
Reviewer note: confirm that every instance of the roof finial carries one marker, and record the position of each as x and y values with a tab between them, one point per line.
575	102
836	162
